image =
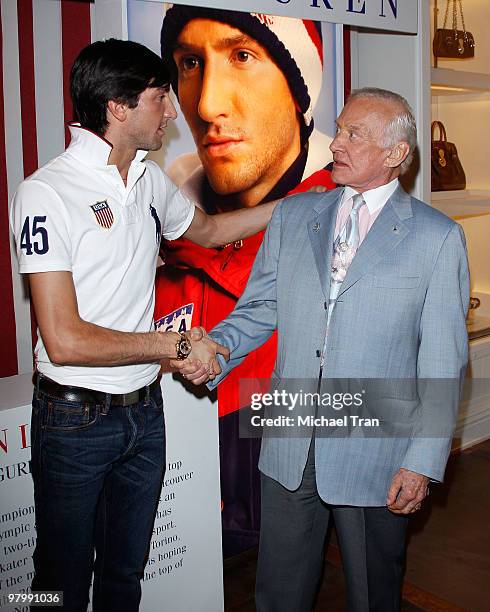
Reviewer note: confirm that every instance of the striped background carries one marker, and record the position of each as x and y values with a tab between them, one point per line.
39	41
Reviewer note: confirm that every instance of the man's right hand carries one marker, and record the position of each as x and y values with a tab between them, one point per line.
70	340
201	365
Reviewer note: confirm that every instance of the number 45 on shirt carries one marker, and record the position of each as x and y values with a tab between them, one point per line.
34	239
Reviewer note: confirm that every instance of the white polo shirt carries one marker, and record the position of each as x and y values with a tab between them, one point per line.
76	214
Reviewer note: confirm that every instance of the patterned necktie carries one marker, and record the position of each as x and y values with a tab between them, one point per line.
344	249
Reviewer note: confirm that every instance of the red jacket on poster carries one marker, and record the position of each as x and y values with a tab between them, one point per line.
199	286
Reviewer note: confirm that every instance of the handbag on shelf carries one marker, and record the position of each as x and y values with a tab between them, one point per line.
454	43
447	173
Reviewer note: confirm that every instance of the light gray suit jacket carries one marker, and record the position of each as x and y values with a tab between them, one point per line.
400	314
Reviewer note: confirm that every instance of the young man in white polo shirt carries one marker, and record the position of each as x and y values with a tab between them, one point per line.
88	227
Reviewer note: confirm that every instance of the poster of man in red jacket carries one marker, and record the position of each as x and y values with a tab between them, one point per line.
247	85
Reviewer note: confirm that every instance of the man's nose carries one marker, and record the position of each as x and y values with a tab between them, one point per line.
215	98
336	143
170	112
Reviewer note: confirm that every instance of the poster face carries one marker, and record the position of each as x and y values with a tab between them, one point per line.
144	25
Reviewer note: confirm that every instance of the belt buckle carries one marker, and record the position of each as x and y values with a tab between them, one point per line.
126	399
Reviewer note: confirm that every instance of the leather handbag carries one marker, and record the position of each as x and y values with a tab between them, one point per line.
447	173
453	43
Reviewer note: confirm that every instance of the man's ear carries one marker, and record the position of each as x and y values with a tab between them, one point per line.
118	110
398	155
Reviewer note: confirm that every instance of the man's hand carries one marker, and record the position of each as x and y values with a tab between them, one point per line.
201	365
407	491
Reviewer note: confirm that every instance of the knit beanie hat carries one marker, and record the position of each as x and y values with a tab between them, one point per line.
294	44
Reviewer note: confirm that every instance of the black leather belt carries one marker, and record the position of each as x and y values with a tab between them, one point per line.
89	396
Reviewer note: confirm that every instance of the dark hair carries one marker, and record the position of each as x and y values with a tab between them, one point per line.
112	70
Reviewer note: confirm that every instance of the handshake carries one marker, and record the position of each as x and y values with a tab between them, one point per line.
202	364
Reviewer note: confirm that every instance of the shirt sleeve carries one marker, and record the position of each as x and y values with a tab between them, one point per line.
39	224
178	210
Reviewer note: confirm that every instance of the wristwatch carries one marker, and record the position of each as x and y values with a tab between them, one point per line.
183	346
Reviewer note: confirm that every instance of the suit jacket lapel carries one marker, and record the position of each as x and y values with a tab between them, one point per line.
386	233
321	227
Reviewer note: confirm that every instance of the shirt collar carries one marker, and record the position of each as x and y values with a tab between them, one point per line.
374	198
91	149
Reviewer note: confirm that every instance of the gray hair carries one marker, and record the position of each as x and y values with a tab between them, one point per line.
402	128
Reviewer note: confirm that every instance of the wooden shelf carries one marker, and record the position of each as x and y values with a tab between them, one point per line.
461	204
445	81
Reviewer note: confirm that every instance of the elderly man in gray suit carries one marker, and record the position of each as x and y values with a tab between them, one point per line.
363	282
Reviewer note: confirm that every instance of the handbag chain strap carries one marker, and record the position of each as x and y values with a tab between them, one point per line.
462	16
456	4
455	14
446	14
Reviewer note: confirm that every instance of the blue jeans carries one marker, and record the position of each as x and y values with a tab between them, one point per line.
97	474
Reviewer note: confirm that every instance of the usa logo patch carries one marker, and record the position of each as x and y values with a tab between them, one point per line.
179	320
103	214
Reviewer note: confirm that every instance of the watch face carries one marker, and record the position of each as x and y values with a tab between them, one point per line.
185	346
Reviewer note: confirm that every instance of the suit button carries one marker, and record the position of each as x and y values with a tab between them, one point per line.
318	353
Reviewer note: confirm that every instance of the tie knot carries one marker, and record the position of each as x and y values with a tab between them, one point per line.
357	202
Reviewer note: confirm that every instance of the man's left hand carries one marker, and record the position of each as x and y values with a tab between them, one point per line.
407	491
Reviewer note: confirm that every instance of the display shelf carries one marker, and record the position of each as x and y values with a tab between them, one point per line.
445	81
463	203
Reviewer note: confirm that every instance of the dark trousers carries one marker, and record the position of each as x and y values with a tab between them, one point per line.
291	551
97	479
